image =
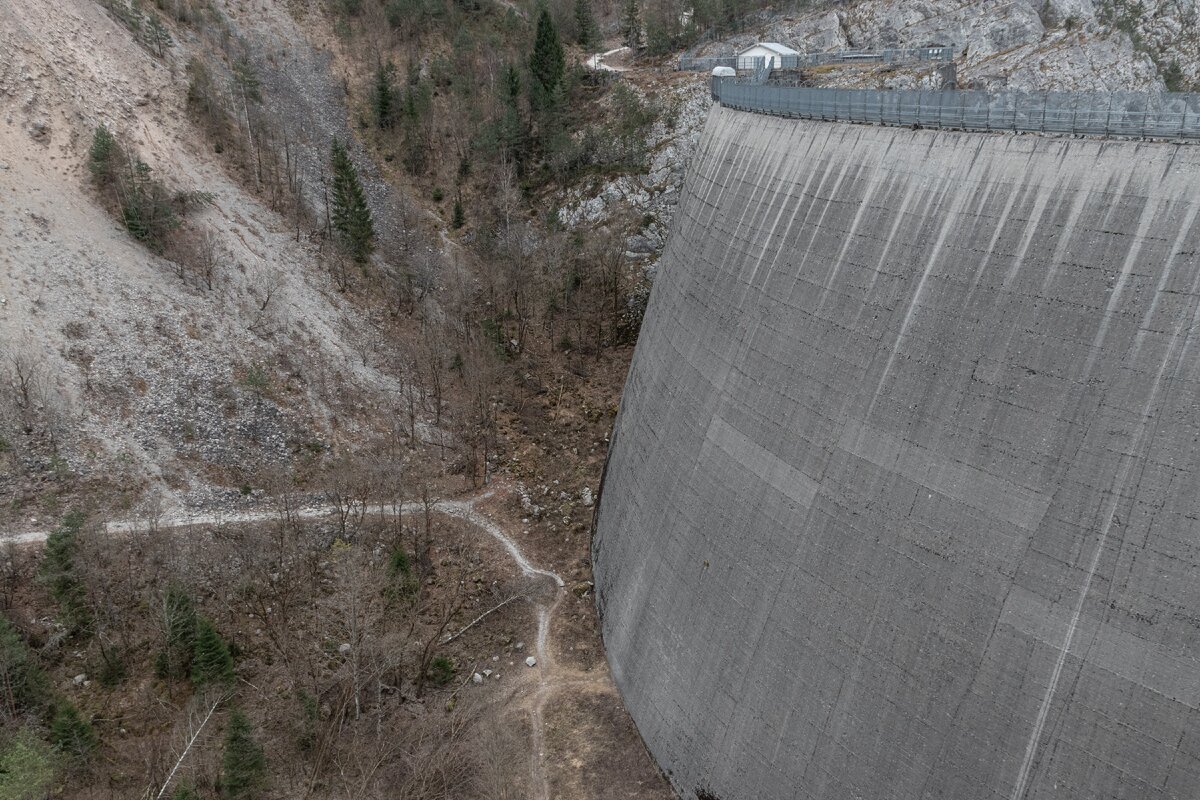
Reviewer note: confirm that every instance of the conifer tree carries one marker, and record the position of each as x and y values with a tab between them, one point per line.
211	661
59	574
585	22
184	791
385	95
71	733
546	63
179	630
103	157
511	127
460	216
242	763
631	25
351	215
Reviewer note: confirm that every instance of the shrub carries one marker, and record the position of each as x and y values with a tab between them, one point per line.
441	670
1173	78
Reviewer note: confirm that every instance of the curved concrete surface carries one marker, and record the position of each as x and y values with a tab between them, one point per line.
904	495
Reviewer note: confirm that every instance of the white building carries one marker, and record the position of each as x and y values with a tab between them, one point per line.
772	51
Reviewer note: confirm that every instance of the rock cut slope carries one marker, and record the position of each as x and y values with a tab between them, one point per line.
903	495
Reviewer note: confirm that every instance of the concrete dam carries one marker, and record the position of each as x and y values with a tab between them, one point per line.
903	499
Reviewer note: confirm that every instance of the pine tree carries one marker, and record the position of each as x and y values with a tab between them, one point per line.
104	157
631	25
59	574
179	630
211	661
460	216
546	63
242	764
384	96
585	22
351	215
184	791
71	733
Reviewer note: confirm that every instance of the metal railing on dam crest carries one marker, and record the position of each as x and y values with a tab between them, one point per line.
1163	115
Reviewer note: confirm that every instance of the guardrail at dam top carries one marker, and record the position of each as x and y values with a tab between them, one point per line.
1165	115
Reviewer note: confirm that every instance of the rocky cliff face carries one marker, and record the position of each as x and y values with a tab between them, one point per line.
1076	45
1108	45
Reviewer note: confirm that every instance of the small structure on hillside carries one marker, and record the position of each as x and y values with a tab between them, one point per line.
773	52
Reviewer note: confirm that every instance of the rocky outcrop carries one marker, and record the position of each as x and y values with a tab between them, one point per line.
1085	45
653	194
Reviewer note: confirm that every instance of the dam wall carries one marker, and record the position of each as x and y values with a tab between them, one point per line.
903	499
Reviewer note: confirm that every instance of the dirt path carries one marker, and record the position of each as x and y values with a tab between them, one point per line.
596	62
550	677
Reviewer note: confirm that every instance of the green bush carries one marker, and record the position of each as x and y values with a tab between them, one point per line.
441	671
1173	78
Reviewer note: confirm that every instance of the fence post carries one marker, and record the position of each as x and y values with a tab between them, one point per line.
1183	120
1108	119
